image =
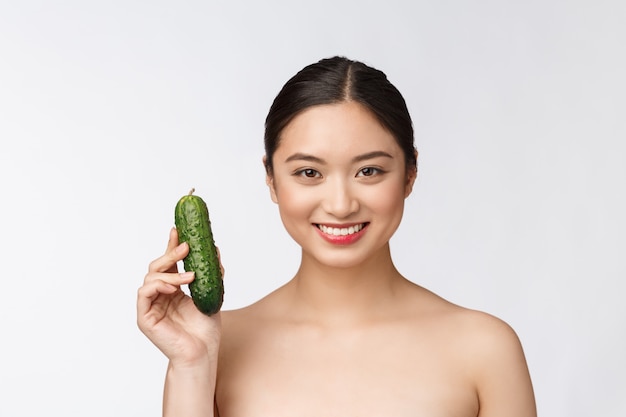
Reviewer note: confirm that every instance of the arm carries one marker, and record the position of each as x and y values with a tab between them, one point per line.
187	337
189	391
503	381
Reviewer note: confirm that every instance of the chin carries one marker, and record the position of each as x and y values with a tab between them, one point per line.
340	259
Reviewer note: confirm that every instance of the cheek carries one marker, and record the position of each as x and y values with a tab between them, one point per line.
387	199
293	205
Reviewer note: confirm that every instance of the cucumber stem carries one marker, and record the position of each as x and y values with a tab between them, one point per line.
191	191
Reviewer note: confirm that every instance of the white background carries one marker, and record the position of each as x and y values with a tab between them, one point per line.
111	110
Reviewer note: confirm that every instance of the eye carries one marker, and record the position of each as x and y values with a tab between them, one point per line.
308	173
368	172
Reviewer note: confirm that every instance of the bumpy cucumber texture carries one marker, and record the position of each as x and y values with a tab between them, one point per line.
194	227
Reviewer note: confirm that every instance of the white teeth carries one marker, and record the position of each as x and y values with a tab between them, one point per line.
340	231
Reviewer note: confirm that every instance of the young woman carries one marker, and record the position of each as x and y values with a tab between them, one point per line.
348	335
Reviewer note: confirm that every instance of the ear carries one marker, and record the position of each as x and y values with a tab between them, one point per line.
411	177
269	180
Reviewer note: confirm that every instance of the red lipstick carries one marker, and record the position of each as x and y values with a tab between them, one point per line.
341	234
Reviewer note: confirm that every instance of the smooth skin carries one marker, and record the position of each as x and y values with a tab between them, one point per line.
348	335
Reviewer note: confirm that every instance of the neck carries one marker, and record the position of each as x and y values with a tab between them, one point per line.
334	295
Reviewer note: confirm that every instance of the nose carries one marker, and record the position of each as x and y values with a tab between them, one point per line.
339	199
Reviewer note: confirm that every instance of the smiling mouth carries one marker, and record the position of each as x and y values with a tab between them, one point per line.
341	231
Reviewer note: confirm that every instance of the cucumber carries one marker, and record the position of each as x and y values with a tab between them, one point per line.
191	217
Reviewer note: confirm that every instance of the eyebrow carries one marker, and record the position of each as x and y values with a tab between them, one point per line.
299	156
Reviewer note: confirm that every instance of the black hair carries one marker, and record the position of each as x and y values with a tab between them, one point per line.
335	80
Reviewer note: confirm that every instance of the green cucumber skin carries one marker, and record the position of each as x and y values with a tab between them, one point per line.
194	227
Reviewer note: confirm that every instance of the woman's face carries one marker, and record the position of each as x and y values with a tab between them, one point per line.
340	181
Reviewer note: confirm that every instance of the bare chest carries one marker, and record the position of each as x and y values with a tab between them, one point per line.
351	375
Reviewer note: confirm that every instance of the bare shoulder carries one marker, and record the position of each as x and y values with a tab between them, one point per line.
484	332
489	343
488	348
480	329
246	322
480	334
502	377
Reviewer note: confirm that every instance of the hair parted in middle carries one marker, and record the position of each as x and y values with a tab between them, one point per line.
336	80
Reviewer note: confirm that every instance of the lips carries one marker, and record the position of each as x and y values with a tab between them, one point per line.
342	234
341	231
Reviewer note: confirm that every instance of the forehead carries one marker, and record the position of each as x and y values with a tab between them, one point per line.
343	128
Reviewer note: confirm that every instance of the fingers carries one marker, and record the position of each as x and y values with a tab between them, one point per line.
174	253
149	292
163	269
162	276
175	278
162	279
161	283
173	239
156	284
